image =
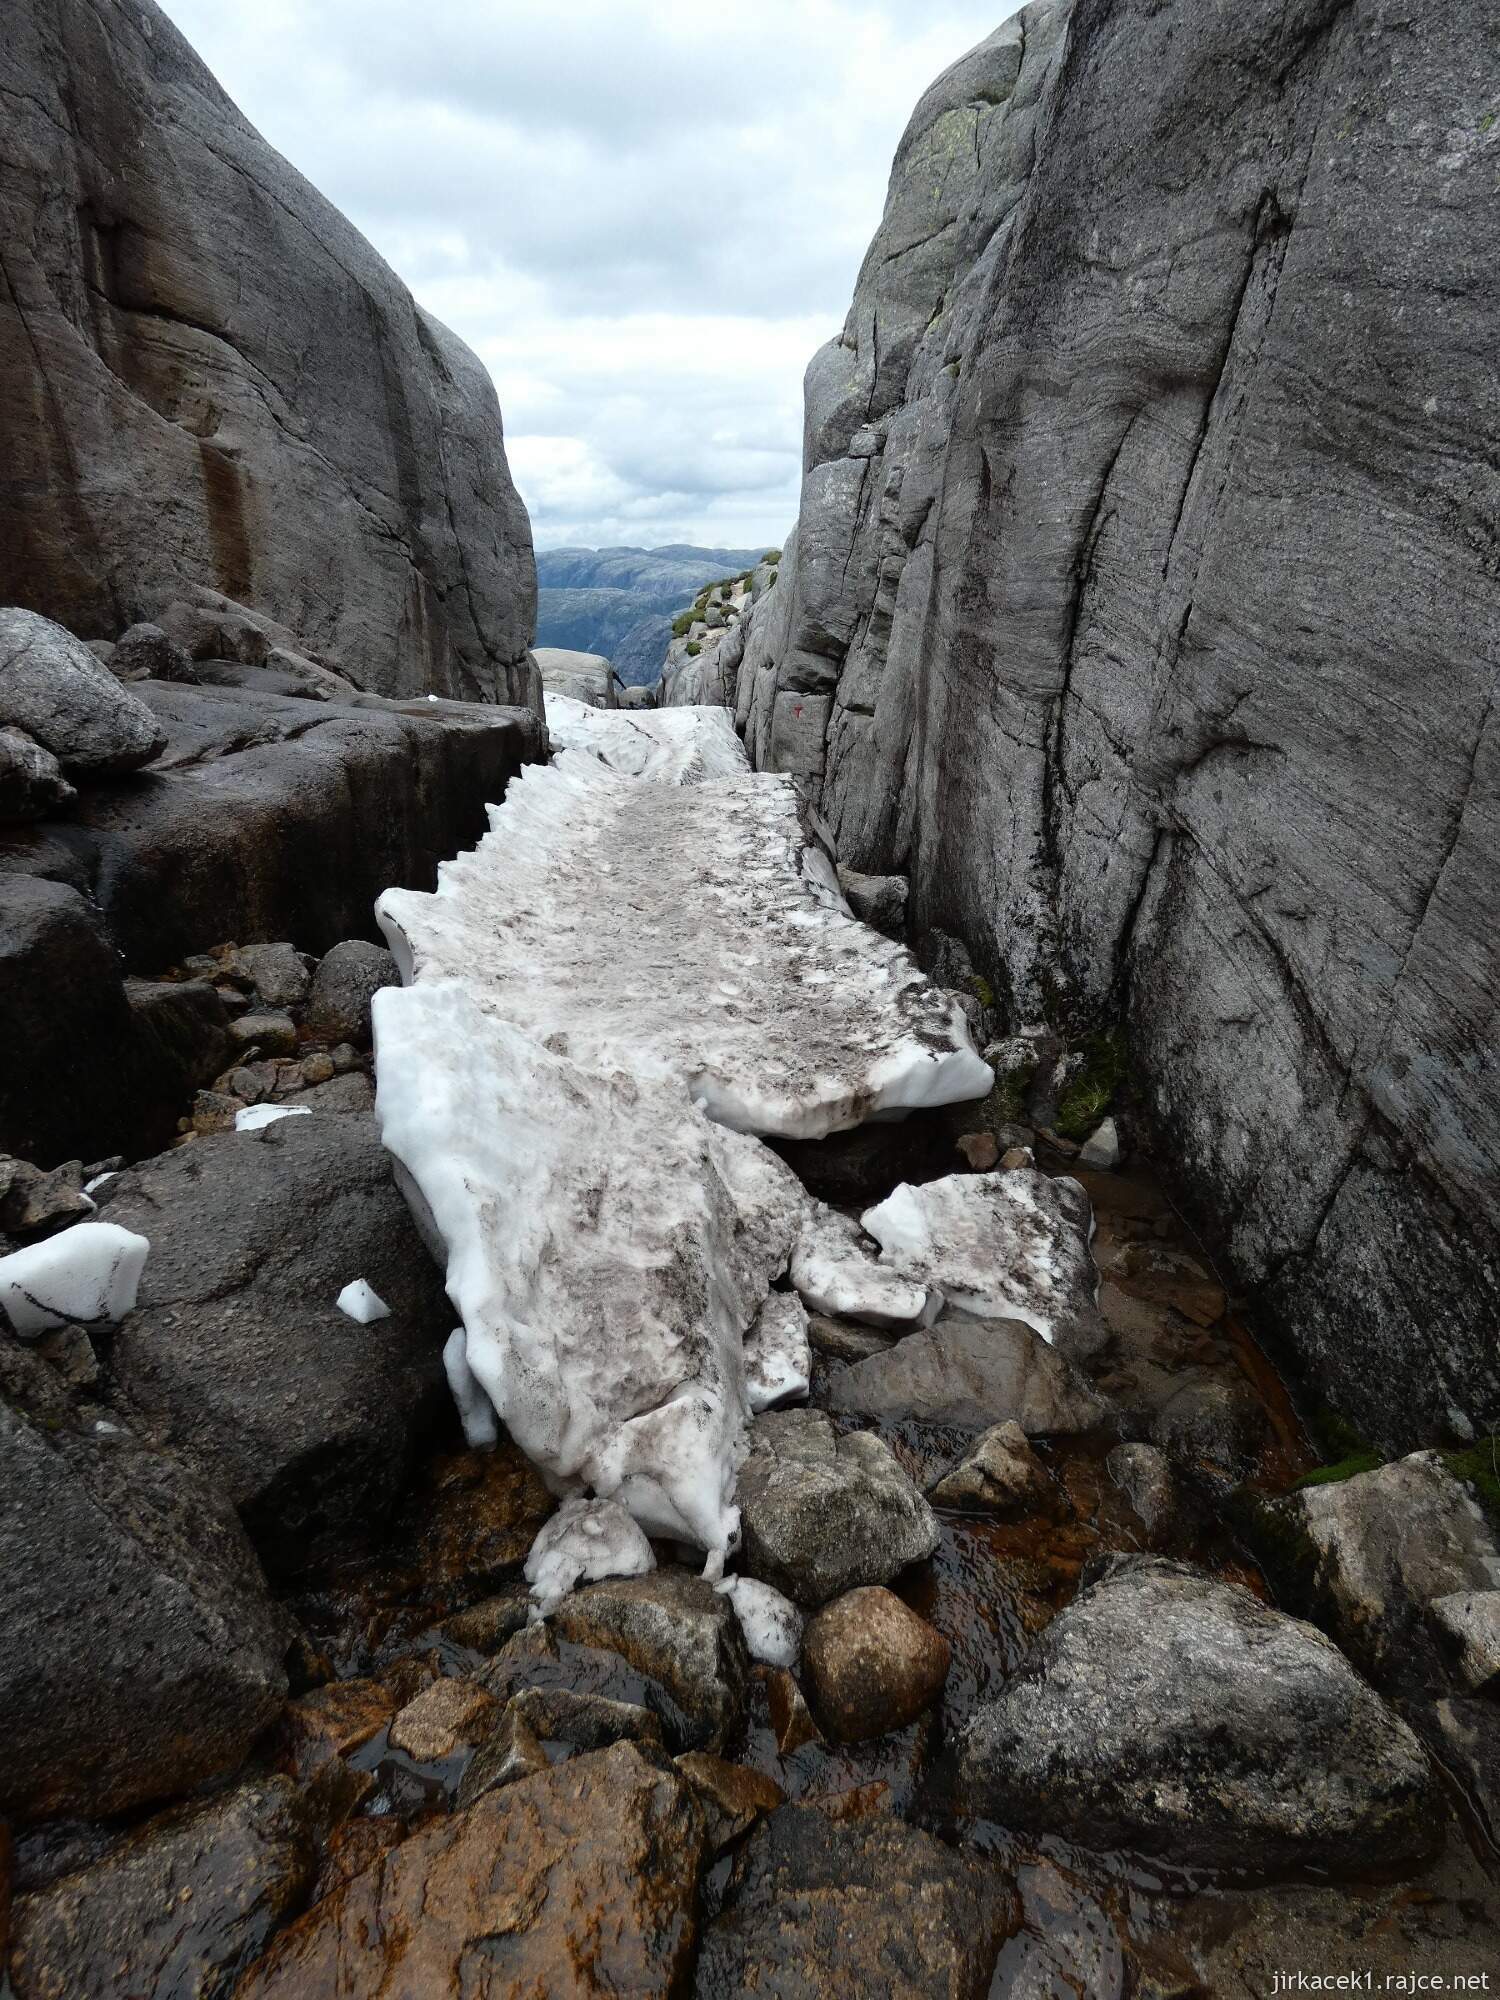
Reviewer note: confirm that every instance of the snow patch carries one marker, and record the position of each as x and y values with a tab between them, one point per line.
778	1354
835	1273
584	1540
475	1410
256	1117
669	746
771	1623
84	1276
362	1303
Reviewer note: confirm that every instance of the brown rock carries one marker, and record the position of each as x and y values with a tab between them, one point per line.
485	1627
842	1340
36	1202
475	1517
1002	1474
1170	1278
1014	1158
874	1664
981	1150
584	1719
580	1880
733	1797
513	1751
354	1848
179	1908
791	1718
329	1722
317	1069
215	1111
443	1719
69	1351
269	1033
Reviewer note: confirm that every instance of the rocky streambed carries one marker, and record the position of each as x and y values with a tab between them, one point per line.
1050	1659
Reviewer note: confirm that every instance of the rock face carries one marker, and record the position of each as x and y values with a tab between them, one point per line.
1143	580
1167	1713
212	380
142	1653
815	1909
591	1866
266	817
237	1350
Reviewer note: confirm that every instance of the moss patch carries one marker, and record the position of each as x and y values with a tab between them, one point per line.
1091	1089
1344	1468
694	648
1479	1466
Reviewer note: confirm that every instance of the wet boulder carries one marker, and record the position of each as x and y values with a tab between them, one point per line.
874	1664
821	1514
1170	1714
974	1373
338	1007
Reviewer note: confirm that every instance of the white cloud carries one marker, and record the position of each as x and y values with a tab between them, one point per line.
643	214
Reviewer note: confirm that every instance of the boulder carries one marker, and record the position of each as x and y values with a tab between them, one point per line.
1012	1245
874	1665
876	899
181	1906
674	1627
347	980
1368	1556
585	677
822	1514
732	1796
975	1373
53	688
31	779
1000	1474
237	1352
1468	1623
511	1751
146	652
142	1652
446	1717
1177	1716
592	1866
280	974
818	1908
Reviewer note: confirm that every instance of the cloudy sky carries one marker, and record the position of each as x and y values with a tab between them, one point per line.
643	214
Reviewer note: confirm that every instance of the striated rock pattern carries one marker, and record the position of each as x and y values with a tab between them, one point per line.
1143	609
211	379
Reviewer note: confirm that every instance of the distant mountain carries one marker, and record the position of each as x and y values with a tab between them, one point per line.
621	602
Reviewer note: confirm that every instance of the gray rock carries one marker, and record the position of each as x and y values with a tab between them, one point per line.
817	1909
1466	1733
512	1752
1145	1477
585	677
842	1340
31	779
1101	1149
1001	1474
1131	669
142	1651
1210	1423
279	971
263	1032
822	1514
52	687
215	382
182	1906
1372	1553
876	899
974	1373
678	1630
1173	1715
341	1095
338	1008
146	652
35	1204
237	1351
1469	1622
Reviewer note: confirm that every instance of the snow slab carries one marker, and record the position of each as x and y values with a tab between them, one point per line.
84	1276
583	1541
778	1354
671	746
835	1273
771	1623
645	961
1009	1245
362	1303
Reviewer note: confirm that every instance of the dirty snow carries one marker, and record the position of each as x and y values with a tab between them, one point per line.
836	1272
256	1117
84	1276
771	1623
1009	1245
643	963
583	1541
778	1353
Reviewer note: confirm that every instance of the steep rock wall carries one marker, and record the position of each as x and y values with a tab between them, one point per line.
210	379
1144	608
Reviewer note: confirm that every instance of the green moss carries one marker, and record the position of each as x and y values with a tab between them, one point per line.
1487	122
683	625
1011	1087
695	647
1091	1089
982	990
771	556
1479	1466
1344	1468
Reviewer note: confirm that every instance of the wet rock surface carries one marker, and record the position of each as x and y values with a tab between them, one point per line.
974	1373
873	1664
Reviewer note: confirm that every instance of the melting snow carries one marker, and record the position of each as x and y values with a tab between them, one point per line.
362	1303
1001	1246
255	1117
84	1276
584	1540
778	1353
640	965
771	1623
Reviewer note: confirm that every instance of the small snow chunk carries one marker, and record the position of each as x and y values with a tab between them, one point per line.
771	1623
1009	1245
86	1276
583	1541
778	1353
255	1117
835	1273
362	1303
99	1180
475	1410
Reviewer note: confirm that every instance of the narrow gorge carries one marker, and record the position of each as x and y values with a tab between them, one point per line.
828	1328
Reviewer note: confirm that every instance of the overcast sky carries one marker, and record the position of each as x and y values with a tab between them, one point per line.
643	214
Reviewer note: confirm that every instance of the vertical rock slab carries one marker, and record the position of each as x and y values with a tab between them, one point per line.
211	379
